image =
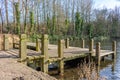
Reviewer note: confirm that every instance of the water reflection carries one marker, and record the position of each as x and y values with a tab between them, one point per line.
110	69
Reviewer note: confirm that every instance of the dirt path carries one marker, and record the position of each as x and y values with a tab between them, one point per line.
10	69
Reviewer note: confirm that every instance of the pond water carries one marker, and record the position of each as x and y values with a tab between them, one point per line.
108	72
110	69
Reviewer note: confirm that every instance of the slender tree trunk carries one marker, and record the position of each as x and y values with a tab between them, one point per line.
44	10
14	15
25	20
73	14
32	22
54	18
1	29
38	27
6	10
17	30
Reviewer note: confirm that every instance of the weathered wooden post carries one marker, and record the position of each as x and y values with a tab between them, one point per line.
61	55
1	43
23	47
114	54
91	46
13	42
67	43
98	71
114	49
98	53
82	43
38	45
45	53
6	42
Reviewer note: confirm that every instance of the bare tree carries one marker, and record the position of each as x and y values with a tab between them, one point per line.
1	28
6	10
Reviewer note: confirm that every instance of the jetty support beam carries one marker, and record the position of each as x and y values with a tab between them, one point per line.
37	44
82	43
6	42
45	53
98	53
91	46
67	43
23	47
61	55
114	49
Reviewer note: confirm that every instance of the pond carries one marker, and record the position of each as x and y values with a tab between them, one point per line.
108	72
109	69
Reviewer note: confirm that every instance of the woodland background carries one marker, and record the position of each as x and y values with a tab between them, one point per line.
75	19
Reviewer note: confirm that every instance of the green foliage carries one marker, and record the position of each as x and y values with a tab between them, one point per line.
67	22
90	31
17	29
33	37
53	29
115	25
78	25
54	37
55	18
48	25
101	38
31	21
25	26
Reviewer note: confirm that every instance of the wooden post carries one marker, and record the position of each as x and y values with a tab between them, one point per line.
37	45
91	46
45	53
61	55
67	43
23	47
13	41
82	43
98	53
114	49
6	42
98	71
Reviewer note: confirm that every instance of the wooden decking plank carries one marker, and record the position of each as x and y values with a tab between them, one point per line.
106	52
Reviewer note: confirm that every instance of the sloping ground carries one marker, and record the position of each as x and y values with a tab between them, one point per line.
10	69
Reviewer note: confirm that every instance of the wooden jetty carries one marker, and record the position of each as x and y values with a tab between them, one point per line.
47	53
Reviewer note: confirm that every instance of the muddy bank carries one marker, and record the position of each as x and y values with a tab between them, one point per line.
10	69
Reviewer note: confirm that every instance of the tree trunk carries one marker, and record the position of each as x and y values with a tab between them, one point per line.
6	10
1	29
